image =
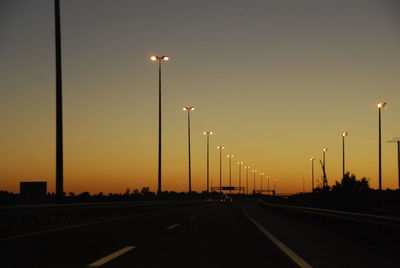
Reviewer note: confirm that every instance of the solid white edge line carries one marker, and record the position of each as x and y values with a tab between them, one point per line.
110	257
173	226
290	253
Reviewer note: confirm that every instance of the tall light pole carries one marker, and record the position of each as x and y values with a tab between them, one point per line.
59	102
159	59
344	134
208	133
312	173
325	183
268	177
188	110
220	148
397	140
247	179
380	105
275	185
230	171
261	177
240	174
254	182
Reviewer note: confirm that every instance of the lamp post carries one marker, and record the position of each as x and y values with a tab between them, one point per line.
208	133
380	105
275	185
261	177
325	183
59	109
240	174
230	172
220	148
159	59
247	179
312	173
188	109
397	140
344	134
254	182
268	177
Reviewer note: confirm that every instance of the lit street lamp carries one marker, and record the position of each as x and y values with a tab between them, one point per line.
261	177
268	177
240	174
254	183
159	59
247	179
208	133
380	105
345	134
220	148
312	173
230	171
325	183
397	140
188	109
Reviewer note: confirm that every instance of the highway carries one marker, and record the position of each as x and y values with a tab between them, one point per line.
206	235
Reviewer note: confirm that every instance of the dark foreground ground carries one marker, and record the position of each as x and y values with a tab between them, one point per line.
206	235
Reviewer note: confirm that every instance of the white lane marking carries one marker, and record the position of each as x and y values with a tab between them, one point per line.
74	226
192	217
173	226
110	257
290	253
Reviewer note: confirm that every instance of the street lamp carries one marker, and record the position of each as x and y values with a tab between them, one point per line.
312	173
240	174
325	183
159	59
220	148
254	182
268	177
188	109
208	133
275	186
397	140
344	134
247	179
230	171
380	105
261	176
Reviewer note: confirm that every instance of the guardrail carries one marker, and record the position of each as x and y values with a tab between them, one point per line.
23	218
382	230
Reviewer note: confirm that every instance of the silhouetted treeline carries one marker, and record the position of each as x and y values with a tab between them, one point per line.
8	198
350	194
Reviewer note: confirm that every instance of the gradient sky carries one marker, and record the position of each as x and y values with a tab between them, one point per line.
276	80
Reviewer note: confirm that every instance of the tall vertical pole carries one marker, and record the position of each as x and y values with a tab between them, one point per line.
261	177
343	156
312	174
190	168
59	102
247	180
380	151
254	183
398	160
208	162
220	172
230	175
159	128
268	184
240	176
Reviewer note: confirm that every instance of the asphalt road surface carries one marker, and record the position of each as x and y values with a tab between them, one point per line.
207	235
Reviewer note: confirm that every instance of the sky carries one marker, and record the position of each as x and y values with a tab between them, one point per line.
275	80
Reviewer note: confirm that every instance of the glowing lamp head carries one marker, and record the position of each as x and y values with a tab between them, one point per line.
312	158
165	58
220	147
153	58
345	134
325	149
381	105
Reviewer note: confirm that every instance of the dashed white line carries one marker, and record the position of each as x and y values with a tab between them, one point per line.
290	253
110	257
173	226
